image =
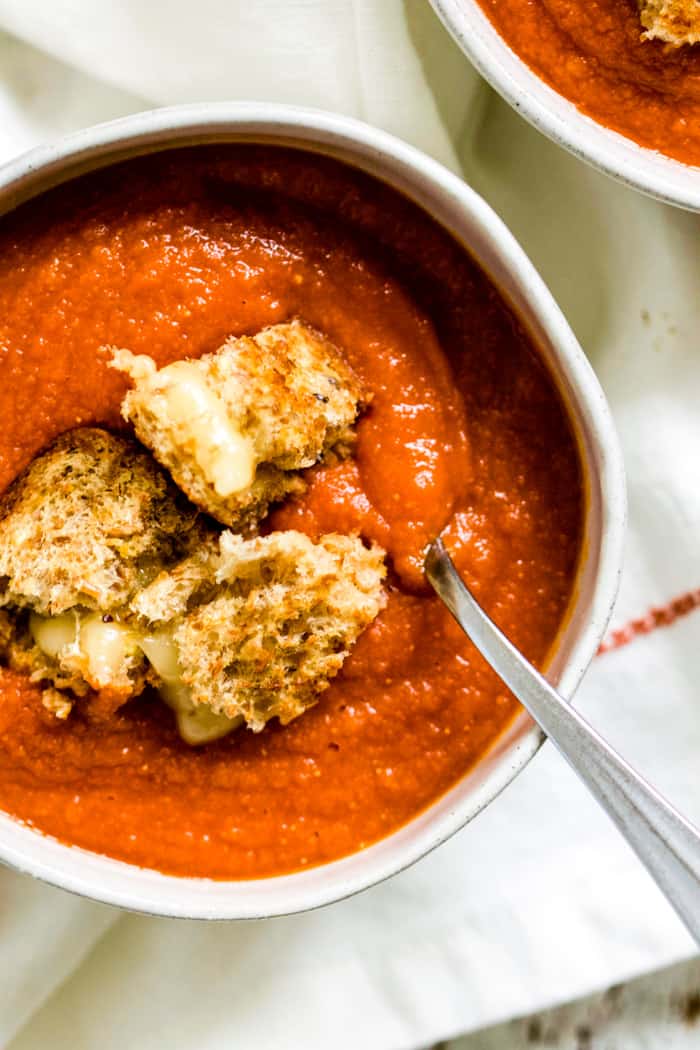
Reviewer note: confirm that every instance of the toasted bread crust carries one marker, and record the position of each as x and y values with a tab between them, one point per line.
175	591
279	625
89	522
675	22
287	391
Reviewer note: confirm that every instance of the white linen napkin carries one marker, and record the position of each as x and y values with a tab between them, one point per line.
538	901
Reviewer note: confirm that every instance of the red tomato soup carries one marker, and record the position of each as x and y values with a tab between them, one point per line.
593	53
169	255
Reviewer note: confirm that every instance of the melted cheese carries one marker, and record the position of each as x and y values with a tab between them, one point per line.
107	648
196	723
53	634
161	651
225	456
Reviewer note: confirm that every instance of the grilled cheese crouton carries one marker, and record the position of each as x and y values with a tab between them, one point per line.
74	653
91	650
276	627
235	427
19	652
175	591
90	522
676	22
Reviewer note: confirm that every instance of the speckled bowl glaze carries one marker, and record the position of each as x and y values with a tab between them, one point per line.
453	204
643	169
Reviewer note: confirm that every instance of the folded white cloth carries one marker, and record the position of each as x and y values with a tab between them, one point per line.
538	901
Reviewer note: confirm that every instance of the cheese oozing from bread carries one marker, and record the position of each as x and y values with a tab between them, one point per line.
104	651
206	430
236	427
196	723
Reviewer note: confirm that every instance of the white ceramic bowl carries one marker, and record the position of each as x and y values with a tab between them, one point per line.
452	203
643	169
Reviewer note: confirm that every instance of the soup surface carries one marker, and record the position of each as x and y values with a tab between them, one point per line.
168	256
592	52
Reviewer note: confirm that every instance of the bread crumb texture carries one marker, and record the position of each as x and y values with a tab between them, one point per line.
89	522
262	628
676	22
235	427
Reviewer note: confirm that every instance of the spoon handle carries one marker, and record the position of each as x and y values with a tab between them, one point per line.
666	843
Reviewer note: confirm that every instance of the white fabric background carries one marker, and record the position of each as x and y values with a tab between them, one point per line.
538	901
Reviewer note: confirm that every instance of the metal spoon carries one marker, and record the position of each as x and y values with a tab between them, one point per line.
666	843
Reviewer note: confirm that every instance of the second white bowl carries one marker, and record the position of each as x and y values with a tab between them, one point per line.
643	169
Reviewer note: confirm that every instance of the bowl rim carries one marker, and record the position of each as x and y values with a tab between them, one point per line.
393	161
643	169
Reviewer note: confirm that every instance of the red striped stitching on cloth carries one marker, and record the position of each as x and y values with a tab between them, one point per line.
659	616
